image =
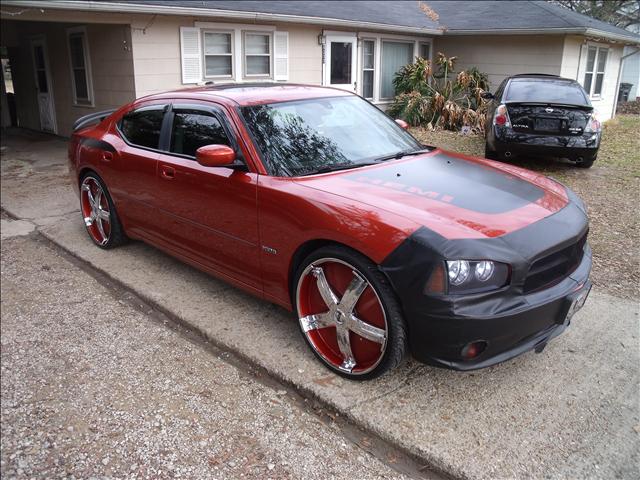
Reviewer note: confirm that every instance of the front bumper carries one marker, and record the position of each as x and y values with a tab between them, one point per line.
439	340
503	140
511	320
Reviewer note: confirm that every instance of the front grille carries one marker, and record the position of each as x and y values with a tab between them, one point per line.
553	268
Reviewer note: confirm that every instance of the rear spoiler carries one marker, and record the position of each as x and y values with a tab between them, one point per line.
92	118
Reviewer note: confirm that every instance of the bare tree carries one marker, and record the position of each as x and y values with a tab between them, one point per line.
621	13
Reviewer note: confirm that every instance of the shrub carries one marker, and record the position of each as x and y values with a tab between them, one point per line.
438	98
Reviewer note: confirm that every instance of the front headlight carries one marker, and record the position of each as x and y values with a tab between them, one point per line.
475	276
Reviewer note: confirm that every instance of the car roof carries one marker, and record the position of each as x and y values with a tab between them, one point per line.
540	76
245	94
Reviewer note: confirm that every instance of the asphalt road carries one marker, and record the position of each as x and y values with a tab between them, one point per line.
571	412
94	387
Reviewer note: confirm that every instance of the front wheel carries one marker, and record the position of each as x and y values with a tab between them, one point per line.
348	313
585	163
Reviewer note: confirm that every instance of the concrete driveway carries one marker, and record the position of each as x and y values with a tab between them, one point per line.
572	411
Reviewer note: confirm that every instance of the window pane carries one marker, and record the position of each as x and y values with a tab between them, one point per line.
142	127
217	65
217	43
554	91
395	55
258	65
256	44
80	79
298	138
599	81
340	63
424	50
76	48
368	54
194	130
591	58
367	84
602	60
588	78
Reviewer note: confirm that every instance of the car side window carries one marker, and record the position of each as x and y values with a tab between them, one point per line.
193	129
141	127
498	95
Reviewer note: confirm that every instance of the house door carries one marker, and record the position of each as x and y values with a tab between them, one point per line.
340	62
43	85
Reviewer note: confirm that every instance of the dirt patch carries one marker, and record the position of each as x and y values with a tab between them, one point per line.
611	190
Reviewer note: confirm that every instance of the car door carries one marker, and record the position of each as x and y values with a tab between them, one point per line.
131	169
209	214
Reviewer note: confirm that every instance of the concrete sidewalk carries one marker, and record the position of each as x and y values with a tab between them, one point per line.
571	411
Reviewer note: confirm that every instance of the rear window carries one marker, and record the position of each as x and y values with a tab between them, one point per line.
546	91
142	127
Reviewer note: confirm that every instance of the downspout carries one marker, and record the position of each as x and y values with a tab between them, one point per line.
615	100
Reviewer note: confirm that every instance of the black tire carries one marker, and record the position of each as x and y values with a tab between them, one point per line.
117	236
395	347
586	163
490	154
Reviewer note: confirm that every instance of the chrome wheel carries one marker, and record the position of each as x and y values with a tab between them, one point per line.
341	316
95	210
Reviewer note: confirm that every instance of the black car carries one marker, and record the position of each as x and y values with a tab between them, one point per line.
542	115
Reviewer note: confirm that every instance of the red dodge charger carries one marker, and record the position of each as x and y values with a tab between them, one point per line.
314	199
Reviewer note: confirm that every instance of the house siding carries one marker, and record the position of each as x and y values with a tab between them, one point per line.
157	62
501	56
111	68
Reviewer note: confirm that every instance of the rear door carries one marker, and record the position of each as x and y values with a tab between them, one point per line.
131	169
209	214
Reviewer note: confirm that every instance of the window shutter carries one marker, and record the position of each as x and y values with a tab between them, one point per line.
281	55
190	53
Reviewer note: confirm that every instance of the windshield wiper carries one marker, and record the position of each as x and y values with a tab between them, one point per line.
341	166
403	153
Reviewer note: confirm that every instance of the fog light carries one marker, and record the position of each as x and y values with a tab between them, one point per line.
473	349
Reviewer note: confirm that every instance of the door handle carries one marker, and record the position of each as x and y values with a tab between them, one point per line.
167	172
107	156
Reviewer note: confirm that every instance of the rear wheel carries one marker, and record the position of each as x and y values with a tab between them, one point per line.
348	313
99	213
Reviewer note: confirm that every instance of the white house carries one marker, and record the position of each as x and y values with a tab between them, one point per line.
71	57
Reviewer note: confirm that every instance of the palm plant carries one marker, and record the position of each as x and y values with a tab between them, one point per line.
438	98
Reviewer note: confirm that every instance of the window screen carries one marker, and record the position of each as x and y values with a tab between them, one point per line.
193	129
142	127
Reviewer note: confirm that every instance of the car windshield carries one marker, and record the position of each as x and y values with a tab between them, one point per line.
546	91
322	134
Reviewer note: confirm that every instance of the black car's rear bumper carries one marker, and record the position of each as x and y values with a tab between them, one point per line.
505	141
511	320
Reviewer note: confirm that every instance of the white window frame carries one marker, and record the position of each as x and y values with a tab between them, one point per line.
372	69
595	72
420	44
379	38
90	102
203	32
237	39
269	35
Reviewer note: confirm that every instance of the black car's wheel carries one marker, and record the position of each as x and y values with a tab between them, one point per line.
348	313
585	163
99	213
490	154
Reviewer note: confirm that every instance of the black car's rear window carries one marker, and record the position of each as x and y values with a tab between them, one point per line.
546	91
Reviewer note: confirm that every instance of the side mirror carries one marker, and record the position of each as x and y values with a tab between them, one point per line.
487	95
215	156
403	125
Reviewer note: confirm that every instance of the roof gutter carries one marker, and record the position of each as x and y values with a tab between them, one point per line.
113	7
592	32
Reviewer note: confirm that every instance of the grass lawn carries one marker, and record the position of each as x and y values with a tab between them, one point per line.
611	190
